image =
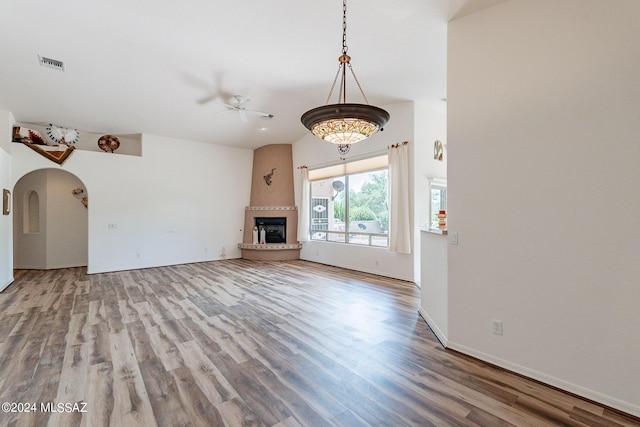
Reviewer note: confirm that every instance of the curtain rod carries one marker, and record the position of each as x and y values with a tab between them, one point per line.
398	145
352	159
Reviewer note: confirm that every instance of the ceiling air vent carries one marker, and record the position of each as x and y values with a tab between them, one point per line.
51	63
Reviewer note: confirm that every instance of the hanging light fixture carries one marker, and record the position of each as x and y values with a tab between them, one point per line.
344	123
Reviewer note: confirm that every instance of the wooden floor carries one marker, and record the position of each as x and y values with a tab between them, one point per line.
241	343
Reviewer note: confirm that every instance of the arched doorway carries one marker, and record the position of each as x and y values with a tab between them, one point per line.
50	221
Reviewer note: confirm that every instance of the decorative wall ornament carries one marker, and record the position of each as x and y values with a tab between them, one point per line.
267	178
108	143
59	135
55	153
33	139
438	150
26	135
6	201
78	193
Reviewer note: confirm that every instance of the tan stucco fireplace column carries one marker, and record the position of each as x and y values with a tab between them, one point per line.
272	196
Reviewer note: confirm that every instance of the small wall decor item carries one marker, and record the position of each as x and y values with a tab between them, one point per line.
59	135
267	178
108	143
6	201
442	219
26	135
78	193
438	150
57	153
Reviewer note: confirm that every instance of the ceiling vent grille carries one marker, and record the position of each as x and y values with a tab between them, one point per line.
51	63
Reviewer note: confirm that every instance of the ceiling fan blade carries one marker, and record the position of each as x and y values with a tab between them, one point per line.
262	114
243	116
230	106
207	99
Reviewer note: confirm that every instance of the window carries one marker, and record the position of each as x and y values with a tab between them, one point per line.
351	207
437	201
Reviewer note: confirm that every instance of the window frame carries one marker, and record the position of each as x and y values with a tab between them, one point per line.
348	169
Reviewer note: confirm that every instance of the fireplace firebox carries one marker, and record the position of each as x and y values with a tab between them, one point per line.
274	227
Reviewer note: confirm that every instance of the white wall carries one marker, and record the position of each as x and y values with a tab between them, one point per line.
6	221
181	201
429	127
543	102
434	293
312	151
67	221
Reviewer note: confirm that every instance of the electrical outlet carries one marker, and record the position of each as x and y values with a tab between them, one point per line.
497	327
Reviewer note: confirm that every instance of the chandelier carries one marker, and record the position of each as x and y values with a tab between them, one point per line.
344	123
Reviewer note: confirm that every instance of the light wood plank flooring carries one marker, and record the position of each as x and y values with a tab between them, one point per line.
242	343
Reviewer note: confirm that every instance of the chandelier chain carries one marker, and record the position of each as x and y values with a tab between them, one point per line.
358	83
334	84
344	27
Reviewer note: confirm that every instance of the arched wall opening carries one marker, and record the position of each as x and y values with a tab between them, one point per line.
50	221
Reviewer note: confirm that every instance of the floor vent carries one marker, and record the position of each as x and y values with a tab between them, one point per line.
51	63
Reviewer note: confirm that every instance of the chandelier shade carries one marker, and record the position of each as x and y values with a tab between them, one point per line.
345	123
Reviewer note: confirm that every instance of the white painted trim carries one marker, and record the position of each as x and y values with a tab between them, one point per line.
434	327
549	380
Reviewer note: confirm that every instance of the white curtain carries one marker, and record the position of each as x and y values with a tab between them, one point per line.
303	212
399	211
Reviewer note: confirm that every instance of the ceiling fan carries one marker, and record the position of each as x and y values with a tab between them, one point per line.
239	105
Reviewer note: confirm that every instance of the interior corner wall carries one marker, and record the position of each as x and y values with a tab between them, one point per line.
67	221
6	221
429	127
543	182
180	202
312	151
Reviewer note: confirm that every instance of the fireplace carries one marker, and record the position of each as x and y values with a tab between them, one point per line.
274	227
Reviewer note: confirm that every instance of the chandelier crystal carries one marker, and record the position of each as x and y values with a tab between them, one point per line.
344	123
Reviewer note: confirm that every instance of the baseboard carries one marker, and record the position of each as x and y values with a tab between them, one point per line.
47	267
558	383
434	327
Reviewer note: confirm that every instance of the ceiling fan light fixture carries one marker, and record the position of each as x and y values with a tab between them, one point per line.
345	123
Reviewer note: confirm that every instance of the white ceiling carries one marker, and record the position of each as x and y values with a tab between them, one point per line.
142	66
